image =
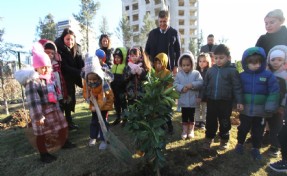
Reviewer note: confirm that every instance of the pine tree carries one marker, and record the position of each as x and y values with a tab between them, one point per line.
47	28
124	31
149	24
104	27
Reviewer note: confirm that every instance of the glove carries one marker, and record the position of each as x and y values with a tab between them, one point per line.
139	70
133	67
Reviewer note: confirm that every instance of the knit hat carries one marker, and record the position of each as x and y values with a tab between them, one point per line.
277	51
40	58
92	65
118	52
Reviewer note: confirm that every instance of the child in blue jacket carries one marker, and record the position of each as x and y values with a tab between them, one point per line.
260	99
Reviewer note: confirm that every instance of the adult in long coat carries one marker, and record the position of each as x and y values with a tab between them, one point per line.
72	64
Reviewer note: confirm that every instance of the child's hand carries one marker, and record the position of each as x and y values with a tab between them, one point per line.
139	70
189	86
93	108
132	67
184	89
239	107
41	122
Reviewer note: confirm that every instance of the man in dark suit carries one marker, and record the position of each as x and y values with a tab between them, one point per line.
164	39
210	46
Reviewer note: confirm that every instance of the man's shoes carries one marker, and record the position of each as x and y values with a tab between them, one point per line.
68	145
279	166
47	157
117	121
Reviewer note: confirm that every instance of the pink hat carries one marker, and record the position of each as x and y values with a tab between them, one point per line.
40	58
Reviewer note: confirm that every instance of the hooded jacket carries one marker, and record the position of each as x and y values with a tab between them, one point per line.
182	79
222	83
104	96
162	57
260	87
281	73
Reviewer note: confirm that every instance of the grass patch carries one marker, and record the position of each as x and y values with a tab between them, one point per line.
18	157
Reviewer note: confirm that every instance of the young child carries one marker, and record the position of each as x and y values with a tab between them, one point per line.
118	84
221	86
45	113
276	60
203	63
93	86
281	165
108	75
51	49
188	83
135	73
261	99
161	71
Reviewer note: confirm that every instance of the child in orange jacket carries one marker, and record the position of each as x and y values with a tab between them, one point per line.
93	86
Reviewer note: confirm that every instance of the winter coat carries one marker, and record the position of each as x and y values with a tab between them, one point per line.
118	70
205	48
134	83
222	83
182	79
168	43
36	92
109	56
72	64
260	88
269	40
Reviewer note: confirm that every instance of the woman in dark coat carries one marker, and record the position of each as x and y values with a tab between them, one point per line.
72	64
105	45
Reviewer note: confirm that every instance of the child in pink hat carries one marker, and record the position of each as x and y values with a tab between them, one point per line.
42	98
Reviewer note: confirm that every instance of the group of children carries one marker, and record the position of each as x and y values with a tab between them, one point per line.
210	90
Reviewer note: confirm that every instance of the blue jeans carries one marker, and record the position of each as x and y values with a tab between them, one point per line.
95	127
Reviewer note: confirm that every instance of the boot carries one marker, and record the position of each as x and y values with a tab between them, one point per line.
184	131
190	132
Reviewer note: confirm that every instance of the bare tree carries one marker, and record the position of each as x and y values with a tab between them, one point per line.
104	26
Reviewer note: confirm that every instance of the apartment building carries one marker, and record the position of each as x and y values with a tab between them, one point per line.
183	16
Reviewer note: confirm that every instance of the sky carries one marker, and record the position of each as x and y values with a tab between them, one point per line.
240	22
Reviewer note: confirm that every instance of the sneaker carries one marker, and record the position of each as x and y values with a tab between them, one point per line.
239	149
279	166
197	124
224	144
103	145
68	145
183	135
92	142
274	151
202	125
47	158
255	153
190	135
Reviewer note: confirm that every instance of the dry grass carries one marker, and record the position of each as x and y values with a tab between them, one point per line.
184	158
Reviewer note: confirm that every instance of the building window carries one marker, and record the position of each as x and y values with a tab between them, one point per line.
181	21
136	38
135	6
181	12
127	8
135	17
181	31
147	1
157	2
156	12
180	2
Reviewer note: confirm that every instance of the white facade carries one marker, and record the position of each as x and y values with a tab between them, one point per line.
183	16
